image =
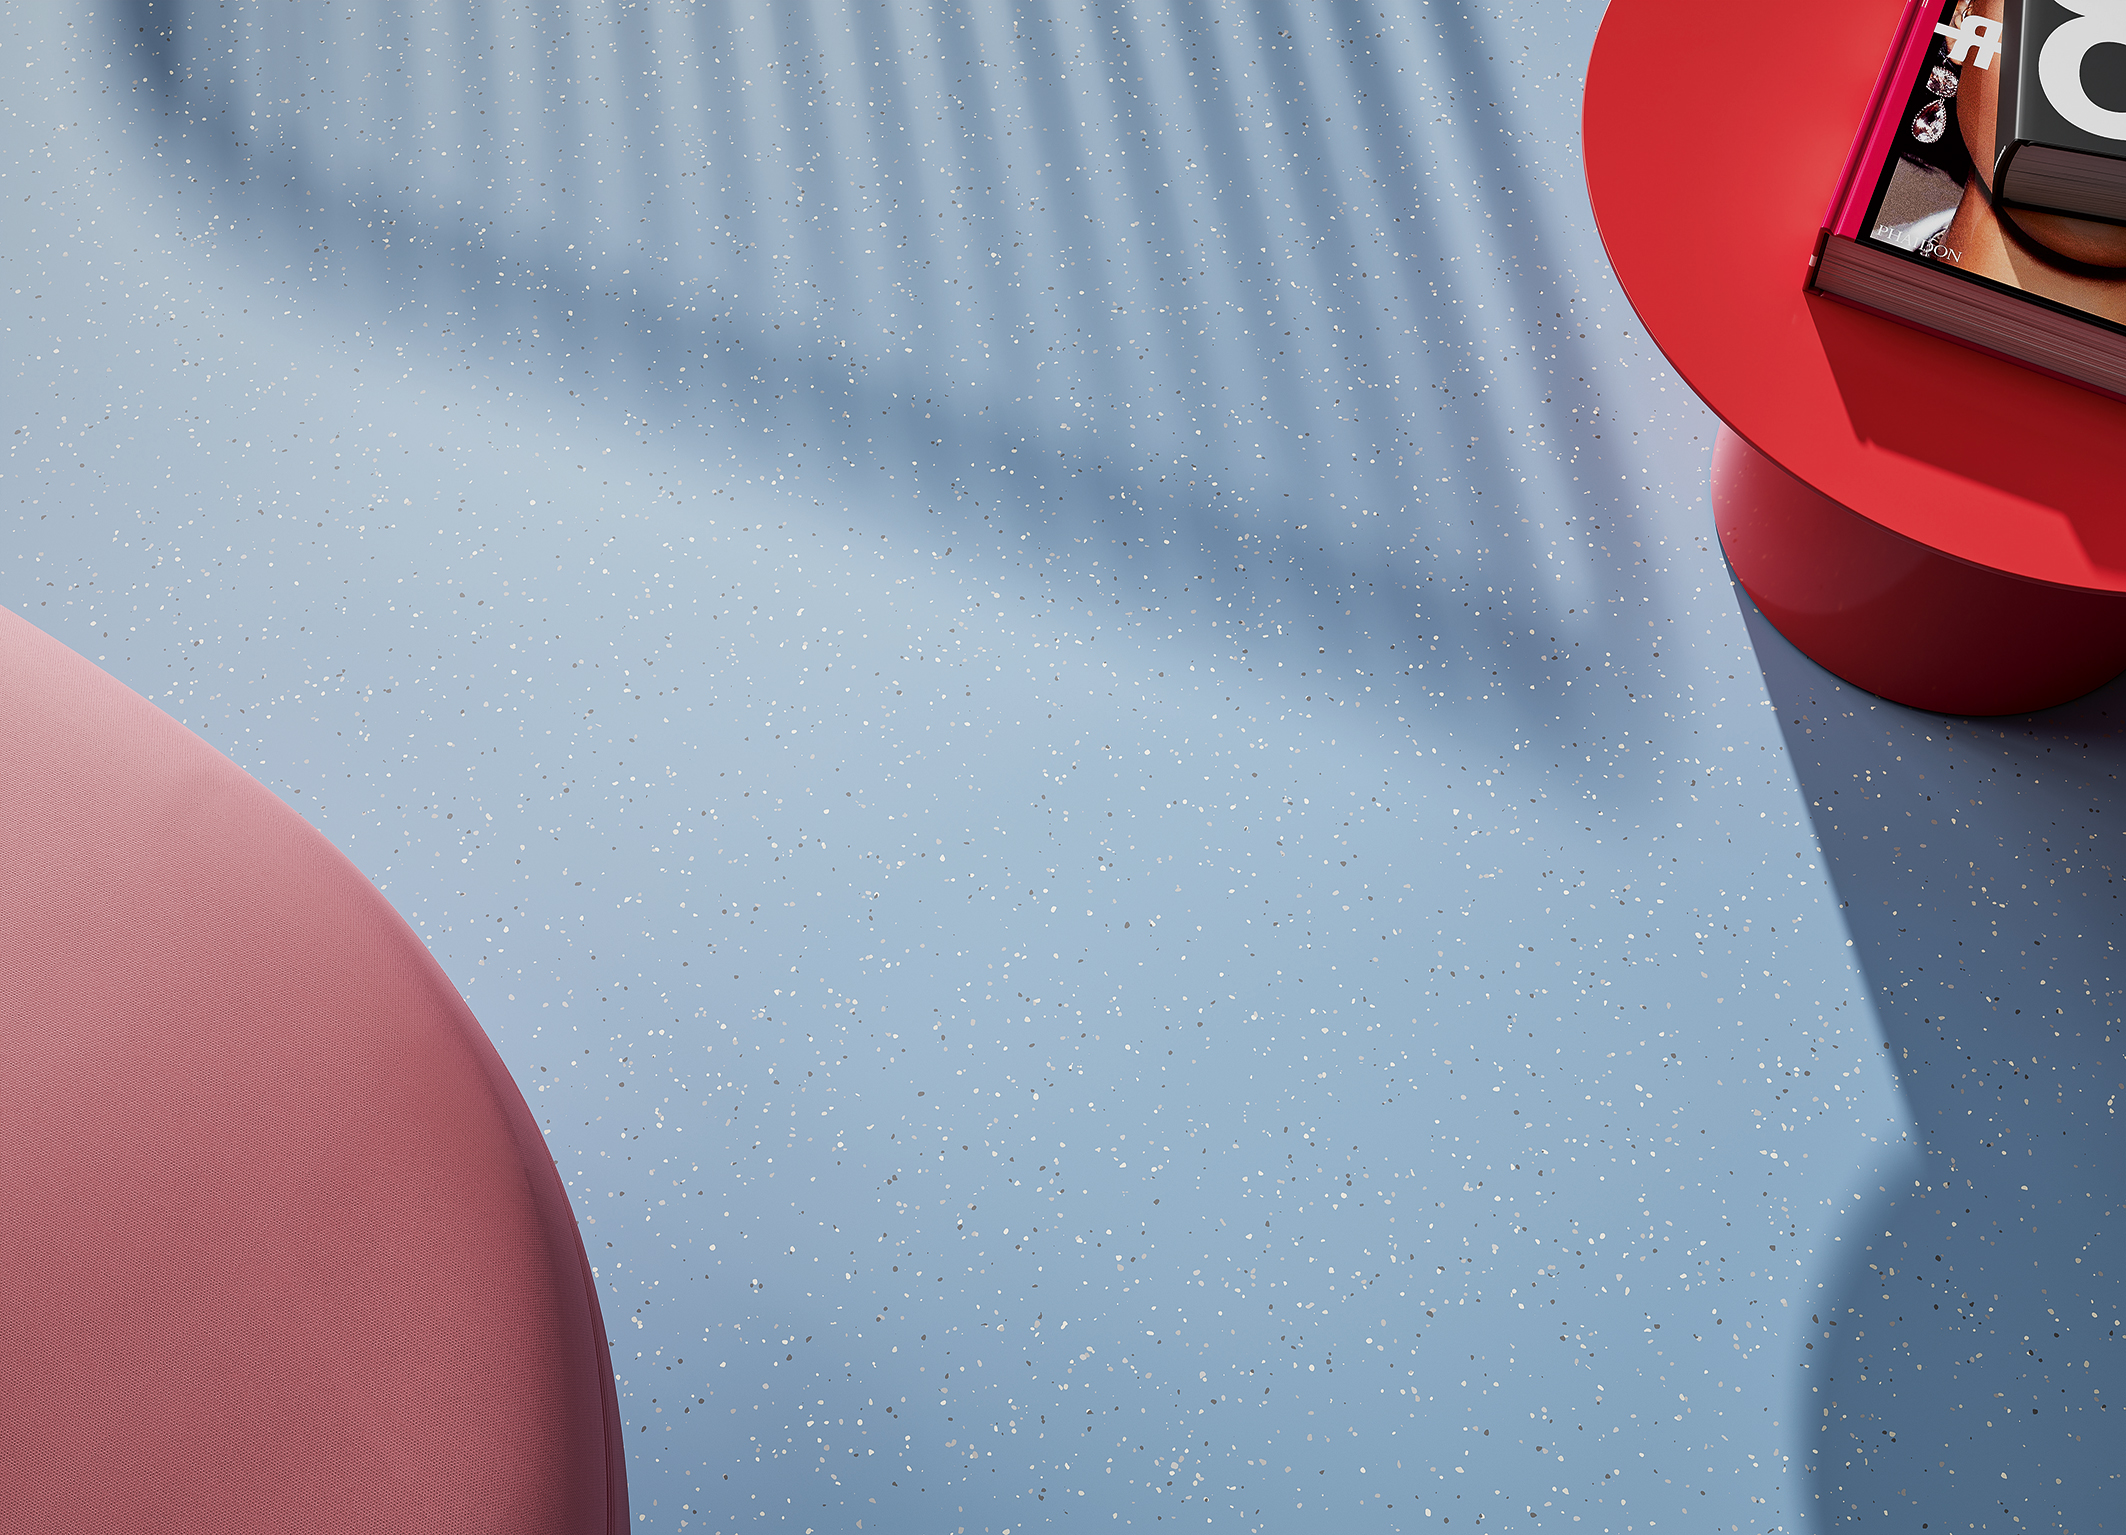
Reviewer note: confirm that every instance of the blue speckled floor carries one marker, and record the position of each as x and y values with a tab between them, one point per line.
1058	680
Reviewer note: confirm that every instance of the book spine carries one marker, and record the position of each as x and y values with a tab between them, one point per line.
1878	125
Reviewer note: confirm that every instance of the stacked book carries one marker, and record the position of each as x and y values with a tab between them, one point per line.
1984	198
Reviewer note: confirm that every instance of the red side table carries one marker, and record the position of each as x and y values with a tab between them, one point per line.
1935	525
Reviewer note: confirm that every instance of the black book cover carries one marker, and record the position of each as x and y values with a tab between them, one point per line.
2062	93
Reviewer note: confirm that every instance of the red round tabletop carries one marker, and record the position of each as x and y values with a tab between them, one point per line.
1714	137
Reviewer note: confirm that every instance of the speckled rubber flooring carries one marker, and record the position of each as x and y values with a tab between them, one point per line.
1057	677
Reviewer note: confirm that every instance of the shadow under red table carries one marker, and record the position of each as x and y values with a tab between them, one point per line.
1931	523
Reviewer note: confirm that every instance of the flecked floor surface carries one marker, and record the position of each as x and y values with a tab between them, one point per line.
1057	677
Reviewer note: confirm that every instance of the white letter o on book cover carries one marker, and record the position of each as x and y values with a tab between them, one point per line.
2059	65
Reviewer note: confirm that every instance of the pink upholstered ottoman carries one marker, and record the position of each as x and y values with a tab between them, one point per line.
281	1247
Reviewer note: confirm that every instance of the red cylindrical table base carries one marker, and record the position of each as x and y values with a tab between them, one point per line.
1936	525
1901	619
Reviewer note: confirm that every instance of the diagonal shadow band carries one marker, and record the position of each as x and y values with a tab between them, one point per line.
753	255
1962	1369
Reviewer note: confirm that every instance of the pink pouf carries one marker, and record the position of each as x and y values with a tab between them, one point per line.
283	1247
